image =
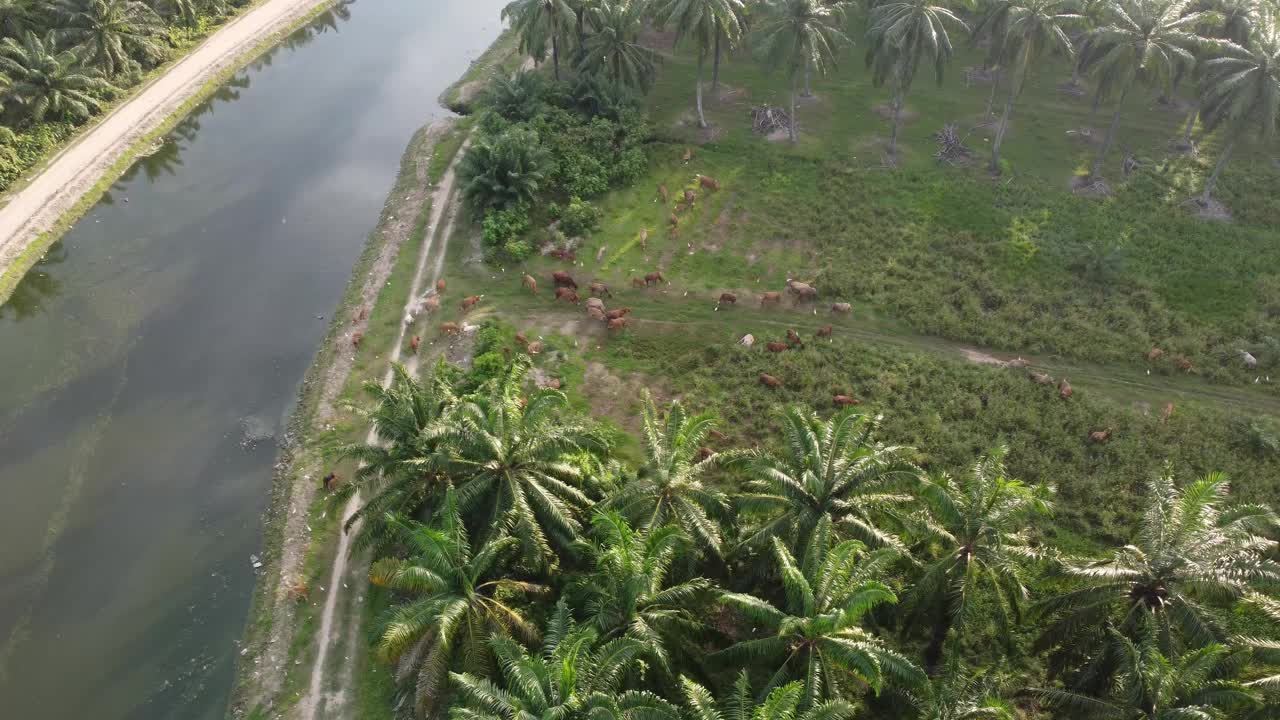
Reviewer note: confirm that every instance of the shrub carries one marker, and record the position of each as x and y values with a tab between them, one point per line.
501	226
517	250
579	218
517	97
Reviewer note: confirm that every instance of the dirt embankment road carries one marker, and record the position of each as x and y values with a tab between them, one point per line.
33	210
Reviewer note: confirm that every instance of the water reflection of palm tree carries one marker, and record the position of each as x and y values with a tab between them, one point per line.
36	287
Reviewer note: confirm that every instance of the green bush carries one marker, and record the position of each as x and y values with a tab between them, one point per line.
501	226
504	170
579	218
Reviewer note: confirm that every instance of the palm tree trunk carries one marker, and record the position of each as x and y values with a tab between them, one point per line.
1004	127
715	65
897	119
1217	170
1191	123
991	99
555	56
1111	137
795	79
1093	109
702	121
937	640
808	89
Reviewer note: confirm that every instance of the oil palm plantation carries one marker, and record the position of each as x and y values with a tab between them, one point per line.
1030	30
516	97
813	631
1143	41
111	34
1240	92
832	470
801	36
502	170
977	534
46	81
901	34
783	703
452	601
510	457
962	693
630	592
19	16
539	23
670	487
1191	547
572	677
700	22
613	49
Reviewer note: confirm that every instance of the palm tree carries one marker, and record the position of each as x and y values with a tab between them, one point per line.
613	50
781	704
110	33
727	38
833	470
19	16
539	22
510	457
1189	547
1030	29
630	593
977	532
900	34
503	170
963	693
573	677
669	489
702	22
454	601
516	97
1267	651
403	468
1154	686
816	635
1241	91
45	80
1144	41
802	36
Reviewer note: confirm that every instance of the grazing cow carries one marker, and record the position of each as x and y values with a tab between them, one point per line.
440	286
769	381
845	401
688	154
689	197
673	221
432	303
414	343
638	282
595	302
356	337
1040	378
1064	389
565	255
449	328
617	323
662	193
717	435
1098	437
596	313
562	279
845	308
770	297
524	341
673	233
1154	353
727	299
331	481
1250	361
708	182
705	452
1183	364
747	340
654	278
1017	364
359	316
615	314
644	239
802	291
793	338
824	331
470	301
567	294
535	347
531	283
776	347
1167	413
552	384
599	289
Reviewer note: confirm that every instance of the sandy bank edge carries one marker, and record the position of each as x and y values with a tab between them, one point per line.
35	215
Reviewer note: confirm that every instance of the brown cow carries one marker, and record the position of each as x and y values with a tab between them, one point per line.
708	182
1040	378
449	328
653	278
662	193
567	294
644	239
595	302
770	297
356	337
793	338
1167	413
596	313
524	341
1154	353
361	315
615	314
562	254
599	289
470	301
776	347
331	481
1100	436
845	400
535	347
705	452
688	154
563	279
1183	364
769	380
432	303
414	343
673	221
637	282
727	299
617	323
824	331
717	435
845	308
530	282
1064	389
690	197
440	285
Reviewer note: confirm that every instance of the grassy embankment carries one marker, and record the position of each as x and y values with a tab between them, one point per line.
503	56
12	275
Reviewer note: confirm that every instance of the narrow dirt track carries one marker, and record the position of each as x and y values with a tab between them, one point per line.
33	210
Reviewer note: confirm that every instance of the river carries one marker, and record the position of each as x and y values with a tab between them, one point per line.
148	362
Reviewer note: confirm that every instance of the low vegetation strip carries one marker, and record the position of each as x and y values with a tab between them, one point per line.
36	213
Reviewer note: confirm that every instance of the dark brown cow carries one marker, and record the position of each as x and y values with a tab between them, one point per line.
709	183
776	347
356	337
705	452
599	289
727	299
770	297
331	481
769	380
690	197
562	279
653	278
824	331
470	301
845	401
567	294
414	343
793	338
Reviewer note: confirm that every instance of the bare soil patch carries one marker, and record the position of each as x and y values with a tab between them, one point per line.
1210	209
1095	187
778	136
